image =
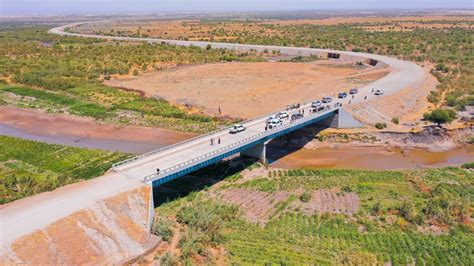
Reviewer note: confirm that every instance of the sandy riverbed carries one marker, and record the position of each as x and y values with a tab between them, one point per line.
246	90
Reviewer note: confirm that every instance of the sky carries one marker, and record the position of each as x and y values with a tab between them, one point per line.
92	7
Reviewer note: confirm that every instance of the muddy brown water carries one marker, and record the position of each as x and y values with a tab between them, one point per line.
375	158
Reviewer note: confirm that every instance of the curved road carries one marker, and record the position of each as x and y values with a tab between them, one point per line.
25	216
403	73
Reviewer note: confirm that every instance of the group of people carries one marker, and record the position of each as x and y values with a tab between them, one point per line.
293	106
218	141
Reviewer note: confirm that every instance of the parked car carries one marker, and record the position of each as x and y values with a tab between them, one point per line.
327	99
296	116
283	114
275	123
269	119
342	95
354	91
316	104
237	128
379	92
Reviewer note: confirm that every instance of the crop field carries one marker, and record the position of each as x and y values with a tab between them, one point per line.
64	75
29	167
418	217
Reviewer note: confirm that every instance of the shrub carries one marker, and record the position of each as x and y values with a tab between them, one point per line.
396	120
168	260
380	125
163	228
468	165
305	197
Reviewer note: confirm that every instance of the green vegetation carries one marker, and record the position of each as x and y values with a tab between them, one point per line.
405	217
380	125
440	116
64	74
163	228
29	167
395	120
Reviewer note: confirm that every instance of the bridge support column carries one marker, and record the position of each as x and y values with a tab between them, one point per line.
341	119
259	152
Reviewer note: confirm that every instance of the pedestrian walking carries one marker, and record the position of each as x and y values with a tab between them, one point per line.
219	141
220	112
157	171
353	96
212	141
349	101
365	98
266	127
372	90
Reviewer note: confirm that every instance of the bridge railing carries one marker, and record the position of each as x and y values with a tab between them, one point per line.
221	130
165	172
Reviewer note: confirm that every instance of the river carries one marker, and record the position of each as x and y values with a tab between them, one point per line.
86	133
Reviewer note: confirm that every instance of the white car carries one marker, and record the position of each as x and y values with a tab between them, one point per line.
236	129
316	104
283	114
379	92
274	123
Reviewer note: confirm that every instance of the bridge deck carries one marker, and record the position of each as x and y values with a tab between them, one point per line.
191	153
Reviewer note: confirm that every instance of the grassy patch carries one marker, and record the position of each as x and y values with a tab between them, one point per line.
394	206
29	167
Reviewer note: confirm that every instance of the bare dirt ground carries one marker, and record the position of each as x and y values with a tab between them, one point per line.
259	207
246	90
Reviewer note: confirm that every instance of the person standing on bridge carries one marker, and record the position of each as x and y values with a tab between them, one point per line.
219	141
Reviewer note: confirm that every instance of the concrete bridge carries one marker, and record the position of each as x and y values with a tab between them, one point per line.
182	158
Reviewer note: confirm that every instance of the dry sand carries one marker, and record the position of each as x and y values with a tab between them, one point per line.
246	90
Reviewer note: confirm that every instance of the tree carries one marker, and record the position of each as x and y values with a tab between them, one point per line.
440	116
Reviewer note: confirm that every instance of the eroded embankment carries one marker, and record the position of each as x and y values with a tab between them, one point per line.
110	231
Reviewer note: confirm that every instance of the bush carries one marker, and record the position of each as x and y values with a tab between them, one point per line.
168	260
305	197
396	120
468	165
163	228
380	125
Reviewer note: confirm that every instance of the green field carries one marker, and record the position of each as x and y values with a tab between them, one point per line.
395	208
29	167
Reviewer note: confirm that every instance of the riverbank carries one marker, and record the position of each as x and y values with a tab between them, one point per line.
84	132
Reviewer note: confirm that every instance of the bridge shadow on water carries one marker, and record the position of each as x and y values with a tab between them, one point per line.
215	173
287	144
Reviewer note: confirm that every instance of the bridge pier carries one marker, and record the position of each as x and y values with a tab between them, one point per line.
341	119
259	152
